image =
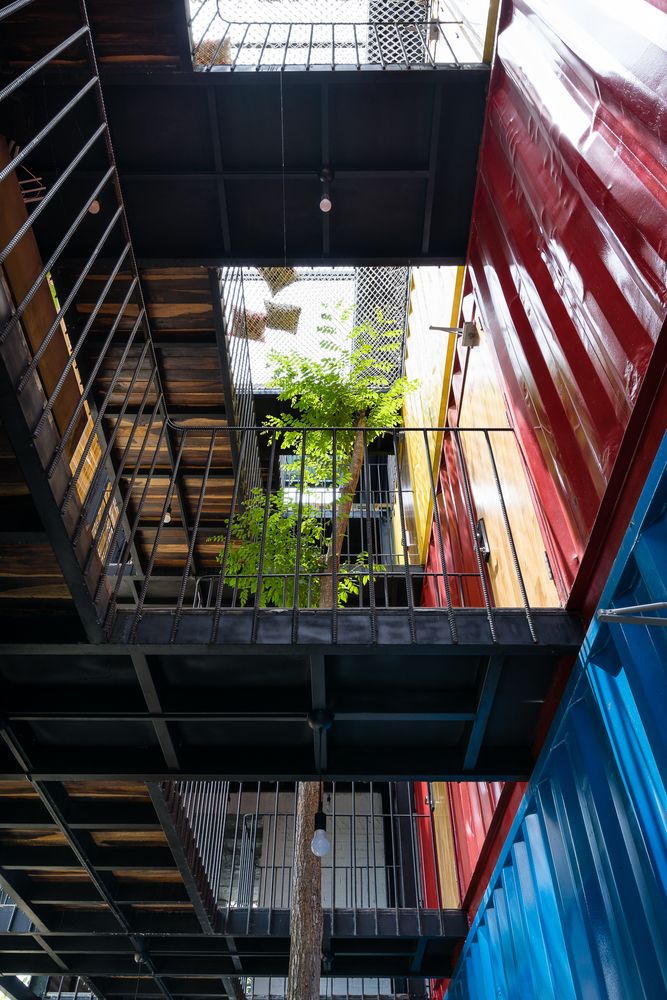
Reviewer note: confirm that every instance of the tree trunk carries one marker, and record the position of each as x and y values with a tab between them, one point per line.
343	509
306	919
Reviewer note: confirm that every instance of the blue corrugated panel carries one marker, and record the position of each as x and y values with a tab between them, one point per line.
577	905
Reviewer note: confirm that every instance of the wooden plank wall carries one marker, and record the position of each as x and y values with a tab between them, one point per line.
483	405
445	846
434	300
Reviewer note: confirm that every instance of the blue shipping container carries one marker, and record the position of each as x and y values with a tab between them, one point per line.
577	905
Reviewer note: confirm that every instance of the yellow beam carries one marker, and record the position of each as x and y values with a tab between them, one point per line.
491	28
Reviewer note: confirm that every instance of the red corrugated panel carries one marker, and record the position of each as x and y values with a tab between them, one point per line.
456	539
426	845
473	805
569	240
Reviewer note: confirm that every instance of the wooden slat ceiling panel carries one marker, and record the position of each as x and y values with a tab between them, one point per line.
140	433
191	377
126	34
173	549
32	838
129	790
121	388
216	503
53	883
178	302
138	838
17	790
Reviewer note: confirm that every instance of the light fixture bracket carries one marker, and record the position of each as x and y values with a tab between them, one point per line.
320	718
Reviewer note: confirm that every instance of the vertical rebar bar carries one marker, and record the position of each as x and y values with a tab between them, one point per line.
262	543
404	544
225	553
193	539
441	546
510	536
297	555
151	562
473	530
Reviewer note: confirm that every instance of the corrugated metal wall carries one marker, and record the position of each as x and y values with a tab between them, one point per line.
577	906
472	805
568	247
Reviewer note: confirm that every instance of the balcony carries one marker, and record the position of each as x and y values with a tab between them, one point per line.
410	669
308	35
196	880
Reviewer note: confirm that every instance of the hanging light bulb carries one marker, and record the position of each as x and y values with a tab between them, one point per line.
320	845
167	517
326	176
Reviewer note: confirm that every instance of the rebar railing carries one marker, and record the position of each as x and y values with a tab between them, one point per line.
68	988
274	548
382	846
88	416
66	326
237	380
198	810
398	34
340	988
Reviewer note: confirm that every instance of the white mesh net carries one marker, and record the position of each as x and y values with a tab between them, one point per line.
284	307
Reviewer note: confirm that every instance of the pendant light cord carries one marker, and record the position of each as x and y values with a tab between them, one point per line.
282	144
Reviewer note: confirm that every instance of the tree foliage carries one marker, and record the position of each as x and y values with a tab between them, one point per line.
280	542
274	572
347	381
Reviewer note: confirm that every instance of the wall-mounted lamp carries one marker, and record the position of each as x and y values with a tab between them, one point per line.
469	333
326	177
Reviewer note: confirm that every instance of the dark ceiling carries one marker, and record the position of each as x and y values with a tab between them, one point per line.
397	707
200	157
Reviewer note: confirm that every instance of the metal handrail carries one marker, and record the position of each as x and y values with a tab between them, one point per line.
379	566
400	42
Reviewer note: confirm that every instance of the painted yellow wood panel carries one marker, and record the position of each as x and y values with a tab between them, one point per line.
483	406
434	300
445	849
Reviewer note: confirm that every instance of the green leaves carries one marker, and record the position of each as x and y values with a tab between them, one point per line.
268	540
336	389
276	549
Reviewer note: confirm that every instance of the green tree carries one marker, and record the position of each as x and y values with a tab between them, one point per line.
346	387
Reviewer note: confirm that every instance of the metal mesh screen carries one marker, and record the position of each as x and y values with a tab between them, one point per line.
284	307
276	33
242	405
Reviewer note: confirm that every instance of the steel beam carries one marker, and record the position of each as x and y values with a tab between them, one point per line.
161	727
386	629
487	695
